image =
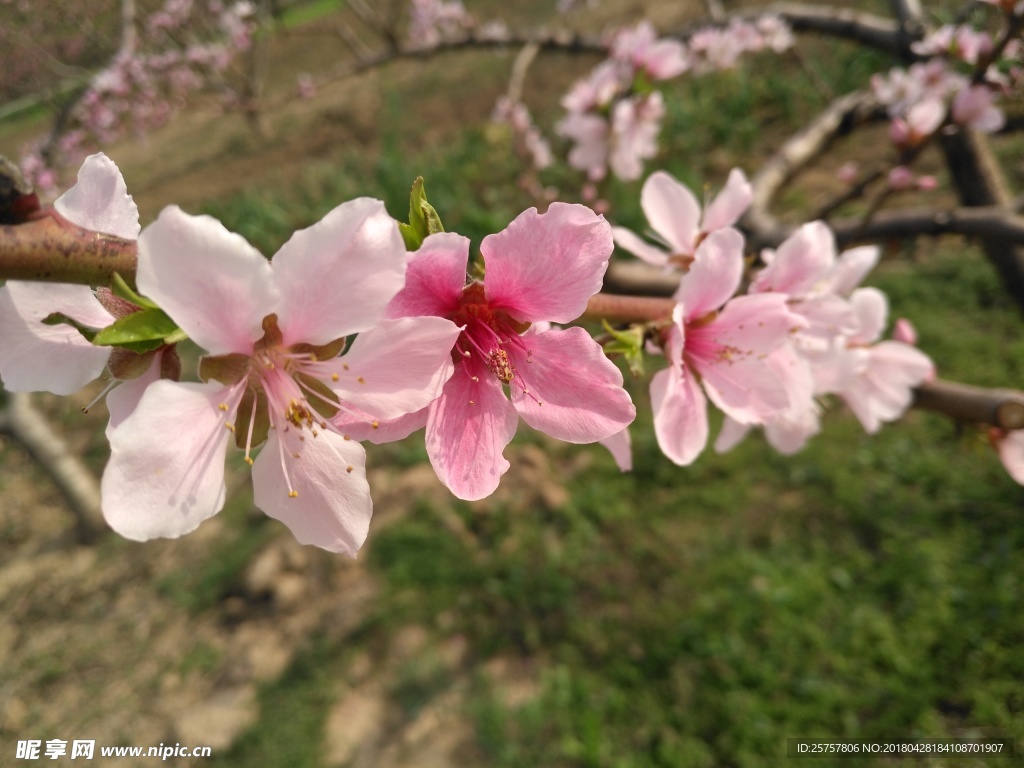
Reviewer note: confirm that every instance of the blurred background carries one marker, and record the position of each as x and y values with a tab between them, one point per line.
870	587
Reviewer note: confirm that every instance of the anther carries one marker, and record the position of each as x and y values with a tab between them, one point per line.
293	494
334	377
223	407
344	366
349	468
248	460
375	424
295	456
360	379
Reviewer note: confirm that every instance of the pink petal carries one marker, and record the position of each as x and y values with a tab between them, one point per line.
211	282
575	392
620	446
468	427
100	200
731	435
53	358
1011	453
666	59
788	434
714	275
803	260
853	267
871	310
727	207
337	276
166	469
396	368
434	279
359	425
672	211
547	266
680	414
626	239
333	507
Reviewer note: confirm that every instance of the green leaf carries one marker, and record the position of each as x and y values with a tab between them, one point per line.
58	318
121	289
140	332
423	219
629	343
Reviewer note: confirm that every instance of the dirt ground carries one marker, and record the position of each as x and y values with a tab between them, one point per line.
93	642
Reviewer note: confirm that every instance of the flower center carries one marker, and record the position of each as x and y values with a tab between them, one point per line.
490	335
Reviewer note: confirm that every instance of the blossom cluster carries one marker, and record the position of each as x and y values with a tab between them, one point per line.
433	21
280	378
803	329
182	47
959	82
614	115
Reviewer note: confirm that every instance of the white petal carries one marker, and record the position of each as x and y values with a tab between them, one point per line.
331	507
49	358
166	469
100	200
337	276
211	282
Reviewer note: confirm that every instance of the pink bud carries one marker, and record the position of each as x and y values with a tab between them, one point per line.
904	331
901	178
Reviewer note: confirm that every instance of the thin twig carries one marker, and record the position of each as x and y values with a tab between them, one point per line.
24	423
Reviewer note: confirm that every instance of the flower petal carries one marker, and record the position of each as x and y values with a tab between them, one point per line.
574	392
1011	453
871	310
211	282
337	276
166	469
49	358
468	427
332	508
672	211
547	266
631	242
715	274
620	446
358	425
123	399
731	435
680	414
729	204
434	279
803	260
100	200
396	368
852	267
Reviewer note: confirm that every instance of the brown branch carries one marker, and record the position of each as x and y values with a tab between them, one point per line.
1003	408
989	221
29	427
638	278
764	229
51	249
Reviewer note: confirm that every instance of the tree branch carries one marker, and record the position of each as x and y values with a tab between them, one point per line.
24	423
52	249
764	229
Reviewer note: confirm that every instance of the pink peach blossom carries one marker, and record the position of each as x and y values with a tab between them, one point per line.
273	331
674	214
542	267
